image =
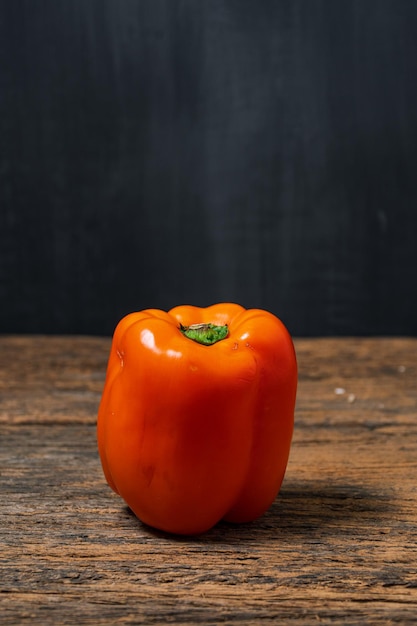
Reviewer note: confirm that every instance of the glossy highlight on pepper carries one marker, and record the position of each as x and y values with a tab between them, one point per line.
197	413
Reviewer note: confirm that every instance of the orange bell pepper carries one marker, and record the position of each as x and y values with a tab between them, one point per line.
196	417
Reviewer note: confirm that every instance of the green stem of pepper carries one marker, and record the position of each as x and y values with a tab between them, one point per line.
206	334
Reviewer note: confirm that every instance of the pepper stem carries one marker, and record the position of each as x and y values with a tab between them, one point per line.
206	334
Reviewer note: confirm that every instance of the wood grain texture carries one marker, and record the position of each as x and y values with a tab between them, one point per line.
338	545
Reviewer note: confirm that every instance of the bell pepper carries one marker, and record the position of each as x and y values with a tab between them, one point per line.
196	416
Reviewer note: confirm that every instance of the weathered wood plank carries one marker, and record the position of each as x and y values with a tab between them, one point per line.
339	543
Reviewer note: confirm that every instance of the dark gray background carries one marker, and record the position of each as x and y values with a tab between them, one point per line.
159	152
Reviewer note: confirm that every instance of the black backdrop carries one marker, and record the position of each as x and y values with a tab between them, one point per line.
160	152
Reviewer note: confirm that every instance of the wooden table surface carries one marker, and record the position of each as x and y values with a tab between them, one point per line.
339	545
